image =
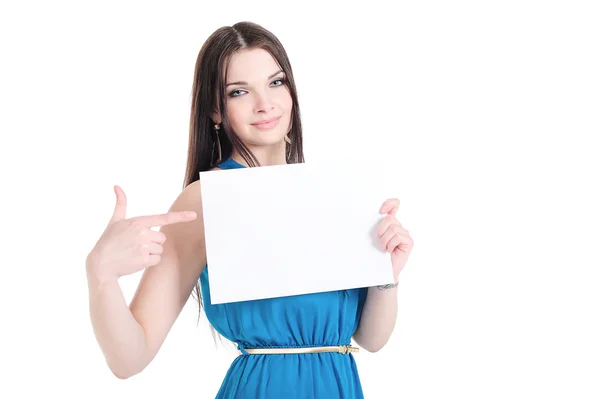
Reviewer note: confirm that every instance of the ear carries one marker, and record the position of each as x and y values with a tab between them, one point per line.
216	118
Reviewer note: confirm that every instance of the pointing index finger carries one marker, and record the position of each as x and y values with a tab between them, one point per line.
167	218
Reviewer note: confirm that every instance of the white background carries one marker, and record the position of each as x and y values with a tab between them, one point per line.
486	113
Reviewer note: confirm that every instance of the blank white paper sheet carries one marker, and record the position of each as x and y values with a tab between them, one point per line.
283	230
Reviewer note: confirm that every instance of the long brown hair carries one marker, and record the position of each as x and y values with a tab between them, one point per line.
208	96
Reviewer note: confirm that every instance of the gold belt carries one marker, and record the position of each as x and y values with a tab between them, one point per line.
343	349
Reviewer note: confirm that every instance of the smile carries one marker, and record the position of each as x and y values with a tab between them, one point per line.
267	123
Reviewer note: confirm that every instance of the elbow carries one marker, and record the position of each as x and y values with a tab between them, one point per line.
372	345
121	376
124	367
123	373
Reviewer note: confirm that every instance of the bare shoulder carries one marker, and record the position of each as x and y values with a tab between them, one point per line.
190	199
186	240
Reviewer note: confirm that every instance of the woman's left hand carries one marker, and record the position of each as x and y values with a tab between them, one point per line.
394	238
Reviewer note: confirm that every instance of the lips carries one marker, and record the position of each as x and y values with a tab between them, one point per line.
266	124
266	121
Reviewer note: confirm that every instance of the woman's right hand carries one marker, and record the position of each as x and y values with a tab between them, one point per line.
129	245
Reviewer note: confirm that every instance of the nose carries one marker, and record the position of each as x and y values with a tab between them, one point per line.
263	102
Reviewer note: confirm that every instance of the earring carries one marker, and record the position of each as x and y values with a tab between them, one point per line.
287	136
218	142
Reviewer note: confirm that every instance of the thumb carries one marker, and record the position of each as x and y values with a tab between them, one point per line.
120	207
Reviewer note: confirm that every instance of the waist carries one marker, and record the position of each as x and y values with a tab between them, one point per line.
341	349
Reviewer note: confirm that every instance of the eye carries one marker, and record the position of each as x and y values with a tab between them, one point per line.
236	93
279	81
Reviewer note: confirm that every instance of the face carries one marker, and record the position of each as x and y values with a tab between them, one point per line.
259	104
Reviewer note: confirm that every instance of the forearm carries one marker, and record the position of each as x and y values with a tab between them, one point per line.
118	333
378	318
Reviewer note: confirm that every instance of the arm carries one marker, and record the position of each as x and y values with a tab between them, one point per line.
130	336
380	309
120	336
378	318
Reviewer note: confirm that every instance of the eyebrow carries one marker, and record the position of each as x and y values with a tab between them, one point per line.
241	83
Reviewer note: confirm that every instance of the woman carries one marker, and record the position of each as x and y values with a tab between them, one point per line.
244	113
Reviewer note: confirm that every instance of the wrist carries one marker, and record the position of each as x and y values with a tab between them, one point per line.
94	274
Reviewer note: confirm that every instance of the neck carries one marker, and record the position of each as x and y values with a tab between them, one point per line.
266	156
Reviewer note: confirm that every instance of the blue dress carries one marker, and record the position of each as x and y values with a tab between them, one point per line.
321	319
